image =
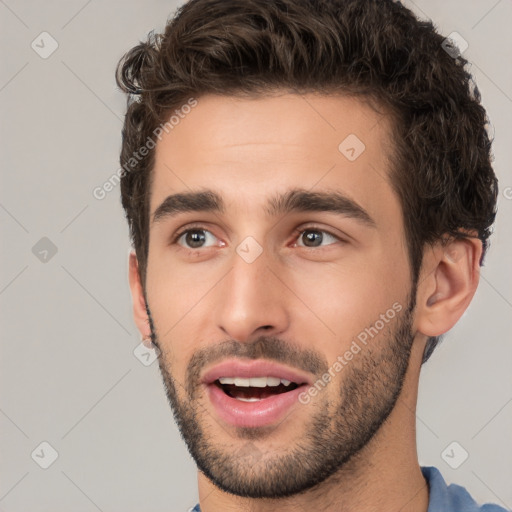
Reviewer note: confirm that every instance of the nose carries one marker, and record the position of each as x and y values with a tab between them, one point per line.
252	300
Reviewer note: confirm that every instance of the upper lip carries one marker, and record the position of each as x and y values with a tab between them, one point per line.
254	368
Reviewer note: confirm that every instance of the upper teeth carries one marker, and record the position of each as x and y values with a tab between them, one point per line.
257	382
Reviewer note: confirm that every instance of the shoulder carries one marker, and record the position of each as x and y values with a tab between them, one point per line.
451	498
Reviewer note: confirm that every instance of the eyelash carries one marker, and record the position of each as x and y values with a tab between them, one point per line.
297	232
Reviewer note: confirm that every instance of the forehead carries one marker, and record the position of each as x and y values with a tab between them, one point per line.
249	149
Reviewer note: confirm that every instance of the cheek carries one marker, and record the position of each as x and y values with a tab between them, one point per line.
175	302
174	290
344	299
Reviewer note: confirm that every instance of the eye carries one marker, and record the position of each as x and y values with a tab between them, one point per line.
194	238
197	237
313	237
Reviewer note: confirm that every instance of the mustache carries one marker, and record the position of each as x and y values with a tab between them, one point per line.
265	347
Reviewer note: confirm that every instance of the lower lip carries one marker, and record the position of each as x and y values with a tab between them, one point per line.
264	412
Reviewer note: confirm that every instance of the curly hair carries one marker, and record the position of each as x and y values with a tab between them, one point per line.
376	50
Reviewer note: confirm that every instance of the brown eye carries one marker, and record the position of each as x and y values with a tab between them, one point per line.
315	237
194	238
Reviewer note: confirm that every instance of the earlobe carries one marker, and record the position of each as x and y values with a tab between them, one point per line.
139	302
447	284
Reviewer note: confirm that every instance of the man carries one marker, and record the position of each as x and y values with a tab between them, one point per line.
309	192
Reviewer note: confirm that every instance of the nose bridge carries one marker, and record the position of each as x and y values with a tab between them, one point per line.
251	297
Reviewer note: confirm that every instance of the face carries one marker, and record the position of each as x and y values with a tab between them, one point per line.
278	286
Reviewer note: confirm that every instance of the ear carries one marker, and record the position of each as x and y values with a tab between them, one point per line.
447	283
139	302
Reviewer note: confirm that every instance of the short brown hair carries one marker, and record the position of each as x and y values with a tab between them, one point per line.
375	49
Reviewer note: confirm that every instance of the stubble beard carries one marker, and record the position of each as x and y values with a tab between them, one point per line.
339	425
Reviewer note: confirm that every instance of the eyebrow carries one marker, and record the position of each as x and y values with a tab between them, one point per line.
295	200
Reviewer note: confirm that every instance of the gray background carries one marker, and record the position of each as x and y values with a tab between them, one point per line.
68	372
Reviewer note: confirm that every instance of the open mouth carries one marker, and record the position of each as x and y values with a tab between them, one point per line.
254	389
253	393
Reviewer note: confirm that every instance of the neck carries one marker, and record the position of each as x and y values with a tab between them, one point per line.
384	475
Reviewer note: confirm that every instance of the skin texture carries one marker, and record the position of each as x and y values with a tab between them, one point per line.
358	434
